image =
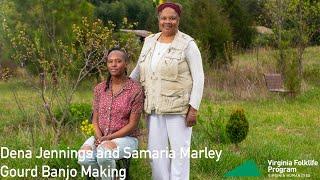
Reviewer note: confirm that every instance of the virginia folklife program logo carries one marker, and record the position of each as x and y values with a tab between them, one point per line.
275	168
290	168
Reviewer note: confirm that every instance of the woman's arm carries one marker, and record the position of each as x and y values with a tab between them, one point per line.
135	74
126	130
97	131
194	59
95	115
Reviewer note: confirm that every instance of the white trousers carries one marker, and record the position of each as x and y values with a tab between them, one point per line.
165	130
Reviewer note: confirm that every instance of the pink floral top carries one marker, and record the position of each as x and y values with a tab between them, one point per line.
114	111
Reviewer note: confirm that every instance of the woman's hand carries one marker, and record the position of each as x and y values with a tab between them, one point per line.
105	138
191	118
97	140
101	139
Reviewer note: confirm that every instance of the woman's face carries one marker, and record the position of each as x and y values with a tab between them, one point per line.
116	63
168	21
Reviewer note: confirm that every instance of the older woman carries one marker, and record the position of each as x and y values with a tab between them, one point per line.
170	71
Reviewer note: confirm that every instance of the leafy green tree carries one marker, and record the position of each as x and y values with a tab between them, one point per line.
141	12
47	21
295	22
7	15
205	21
241	20
61	69
56	17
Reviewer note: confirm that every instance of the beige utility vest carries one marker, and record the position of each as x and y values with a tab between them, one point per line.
167	89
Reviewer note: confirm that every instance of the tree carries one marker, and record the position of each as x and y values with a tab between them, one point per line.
209	25
294	23
61	70
141	12
59	58
47	21
241	20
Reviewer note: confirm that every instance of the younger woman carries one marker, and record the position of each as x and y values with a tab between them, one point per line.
117	105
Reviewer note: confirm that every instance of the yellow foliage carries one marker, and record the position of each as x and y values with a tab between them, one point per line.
87	128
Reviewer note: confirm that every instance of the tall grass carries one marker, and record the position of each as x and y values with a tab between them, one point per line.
244	80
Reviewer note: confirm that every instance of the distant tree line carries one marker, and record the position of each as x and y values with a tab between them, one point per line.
214	23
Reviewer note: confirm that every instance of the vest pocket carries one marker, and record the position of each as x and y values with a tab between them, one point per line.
173	101
169	69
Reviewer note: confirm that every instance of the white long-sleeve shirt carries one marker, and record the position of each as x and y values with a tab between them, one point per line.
194	60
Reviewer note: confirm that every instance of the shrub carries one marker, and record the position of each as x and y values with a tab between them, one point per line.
292	80
237	127
141	11
263	40
287	64
87	128
76	113
315	39
213	125
5	74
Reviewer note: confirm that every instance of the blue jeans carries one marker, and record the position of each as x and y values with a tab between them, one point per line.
102	159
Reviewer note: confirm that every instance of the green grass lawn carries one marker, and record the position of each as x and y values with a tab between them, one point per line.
280	128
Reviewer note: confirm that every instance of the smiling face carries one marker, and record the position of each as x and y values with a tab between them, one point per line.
116	63
168	21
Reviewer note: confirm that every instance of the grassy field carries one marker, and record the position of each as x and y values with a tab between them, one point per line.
280	128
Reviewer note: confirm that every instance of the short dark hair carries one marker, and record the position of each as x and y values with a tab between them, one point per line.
124	53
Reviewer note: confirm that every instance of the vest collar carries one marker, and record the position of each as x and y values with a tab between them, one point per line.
176	36
175	44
